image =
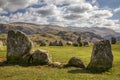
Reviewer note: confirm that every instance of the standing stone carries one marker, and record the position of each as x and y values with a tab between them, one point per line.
42	43
113	40
75	44
85	43
76	62
18	47
60	43
79	41
41	57
102	58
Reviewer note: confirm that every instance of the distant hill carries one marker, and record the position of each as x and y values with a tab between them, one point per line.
103	32
50	32
29	28
94	33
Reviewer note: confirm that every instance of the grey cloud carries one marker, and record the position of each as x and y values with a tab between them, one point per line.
72	16
101	14
45	12
79	8
13	5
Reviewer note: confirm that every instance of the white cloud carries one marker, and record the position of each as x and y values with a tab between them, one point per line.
13	5
102	14
117	10
79	8
71	13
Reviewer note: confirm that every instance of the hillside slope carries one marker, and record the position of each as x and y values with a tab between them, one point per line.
49	32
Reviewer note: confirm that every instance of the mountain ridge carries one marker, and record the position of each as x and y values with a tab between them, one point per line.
30	28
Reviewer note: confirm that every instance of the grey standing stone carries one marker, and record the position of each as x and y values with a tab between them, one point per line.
102	57
41	57
18	47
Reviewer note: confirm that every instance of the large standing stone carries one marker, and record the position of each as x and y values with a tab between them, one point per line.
76	62
18	47
41	57
102	58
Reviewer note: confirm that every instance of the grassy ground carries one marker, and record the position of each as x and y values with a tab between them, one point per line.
61	54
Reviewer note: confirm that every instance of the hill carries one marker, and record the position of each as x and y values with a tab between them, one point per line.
49	32
103	32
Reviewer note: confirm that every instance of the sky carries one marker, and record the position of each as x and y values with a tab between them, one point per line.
78	13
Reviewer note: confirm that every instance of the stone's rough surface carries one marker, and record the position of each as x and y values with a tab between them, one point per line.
42	43
76	62
75	44
85	43
69	43
113	40
102	58
41	57
57	64
18	47
60	43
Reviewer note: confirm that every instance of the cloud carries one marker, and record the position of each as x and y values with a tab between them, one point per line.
60	12
72	16
117	10
13	5
102	14
79	8
47	10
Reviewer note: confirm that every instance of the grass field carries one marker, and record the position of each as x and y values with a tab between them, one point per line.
61	54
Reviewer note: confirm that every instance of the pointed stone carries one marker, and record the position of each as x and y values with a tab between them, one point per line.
102	57
18	47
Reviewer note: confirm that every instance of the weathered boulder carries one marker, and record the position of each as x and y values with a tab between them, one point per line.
58	64
85	43
43	43
75	44
55	43
60	43
41	57
76	62
69	43
80	44
51	44
18	47
102	58
113	40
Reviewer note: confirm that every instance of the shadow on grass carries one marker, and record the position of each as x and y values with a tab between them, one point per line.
5	63
84	71
74	71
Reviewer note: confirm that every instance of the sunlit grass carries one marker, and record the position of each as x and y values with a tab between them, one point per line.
61	54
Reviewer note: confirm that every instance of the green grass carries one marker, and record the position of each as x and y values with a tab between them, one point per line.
61	54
